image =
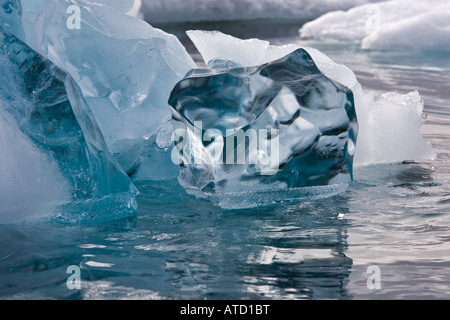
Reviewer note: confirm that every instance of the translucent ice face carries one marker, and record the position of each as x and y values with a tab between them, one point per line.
282	124
54	160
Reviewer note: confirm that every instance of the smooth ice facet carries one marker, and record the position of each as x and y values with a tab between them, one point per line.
55	162
281	126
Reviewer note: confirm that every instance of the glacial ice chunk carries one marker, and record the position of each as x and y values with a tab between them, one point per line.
389	123
281	128
54	160
124	67
396	120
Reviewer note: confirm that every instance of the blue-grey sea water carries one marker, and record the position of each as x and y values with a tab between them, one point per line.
386	237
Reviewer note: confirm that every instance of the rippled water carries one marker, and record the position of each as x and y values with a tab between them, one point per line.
397	217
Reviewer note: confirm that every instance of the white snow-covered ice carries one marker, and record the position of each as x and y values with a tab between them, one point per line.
396	24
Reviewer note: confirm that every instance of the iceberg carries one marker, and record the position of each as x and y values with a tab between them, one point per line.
124	67
279	127
54	162
399	24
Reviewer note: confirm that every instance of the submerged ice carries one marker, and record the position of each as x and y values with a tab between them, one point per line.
53	155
